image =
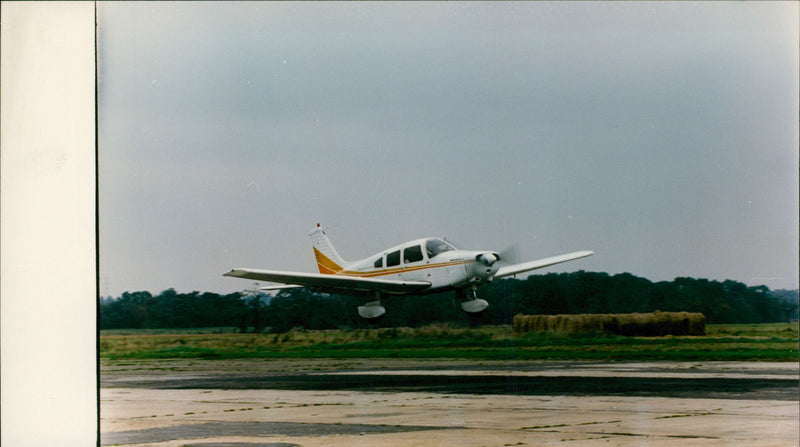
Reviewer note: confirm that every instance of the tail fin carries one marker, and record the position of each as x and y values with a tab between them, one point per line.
328	260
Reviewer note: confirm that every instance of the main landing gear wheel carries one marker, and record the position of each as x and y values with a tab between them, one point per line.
373	309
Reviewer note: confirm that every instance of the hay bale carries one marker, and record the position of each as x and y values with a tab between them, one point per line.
697	324
573	324
636	324
611	324
516	324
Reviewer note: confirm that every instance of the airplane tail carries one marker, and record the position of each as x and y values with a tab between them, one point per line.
328	259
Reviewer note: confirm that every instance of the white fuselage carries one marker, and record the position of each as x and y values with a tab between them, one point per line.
432	260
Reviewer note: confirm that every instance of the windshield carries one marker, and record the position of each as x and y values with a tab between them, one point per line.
436	246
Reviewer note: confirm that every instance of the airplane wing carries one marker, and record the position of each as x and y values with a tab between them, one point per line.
332	283
282	287
510	270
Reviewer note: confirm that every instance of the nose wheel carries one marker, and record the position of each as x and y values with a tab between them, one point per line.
470	303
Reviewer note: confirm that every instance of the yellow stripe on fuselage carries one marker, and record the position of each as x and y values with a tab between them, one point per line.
329	267
394	271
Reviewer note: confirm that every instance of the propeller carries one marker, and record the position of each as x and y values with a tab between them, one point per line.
510	255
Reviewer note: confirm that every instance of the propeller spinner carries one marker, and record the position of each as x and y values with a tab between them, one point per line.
488	258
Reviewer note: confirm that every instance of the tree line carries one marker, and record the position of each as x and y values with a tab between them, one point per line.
554	293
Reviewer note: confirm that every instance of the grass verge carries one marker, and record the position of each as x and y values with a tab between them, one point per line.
773	342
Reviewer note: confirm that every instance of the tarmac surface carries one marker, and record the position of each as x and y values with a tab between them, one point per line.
249	403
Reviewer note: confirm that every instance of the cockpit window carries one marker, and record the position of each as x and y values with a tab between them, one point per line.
437	246
412	254
393	259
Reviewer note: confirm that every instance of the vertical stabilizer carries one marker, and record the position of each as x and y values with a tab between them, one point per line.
328	260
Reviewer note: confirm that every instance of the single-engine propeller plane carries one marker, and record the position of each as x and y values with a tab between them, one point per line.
420	267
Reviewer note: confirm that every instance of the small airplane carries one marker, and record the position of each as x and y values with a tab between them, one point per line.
422	266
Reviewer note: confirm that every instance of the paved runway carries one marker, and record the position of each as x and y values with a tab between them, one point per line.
406	403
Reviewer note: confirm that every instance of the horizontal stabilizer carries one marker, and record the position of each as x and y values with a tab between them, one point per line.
332	283
510	270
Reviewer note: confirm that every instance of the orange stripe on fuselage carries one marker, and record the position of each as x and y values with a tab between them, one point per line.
325	264
394	271
329	267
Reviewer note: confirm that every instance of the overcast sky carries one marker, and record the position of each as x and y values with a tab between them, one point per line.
663	136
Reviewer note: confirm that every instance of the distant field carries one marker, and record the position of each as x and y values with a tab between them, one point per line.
764	342
202	330
753	330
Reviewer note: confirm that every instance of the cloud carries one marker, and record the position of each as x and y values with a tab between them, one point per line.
639	130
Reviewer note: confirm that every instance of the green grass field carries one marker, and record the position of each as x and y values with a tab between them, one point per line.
762	342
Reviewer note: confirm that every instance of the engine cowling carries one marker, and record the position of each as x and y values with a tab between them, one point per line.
485	267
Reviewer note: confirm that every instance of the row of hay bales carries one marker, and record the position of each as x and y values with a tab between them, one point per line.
642	325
